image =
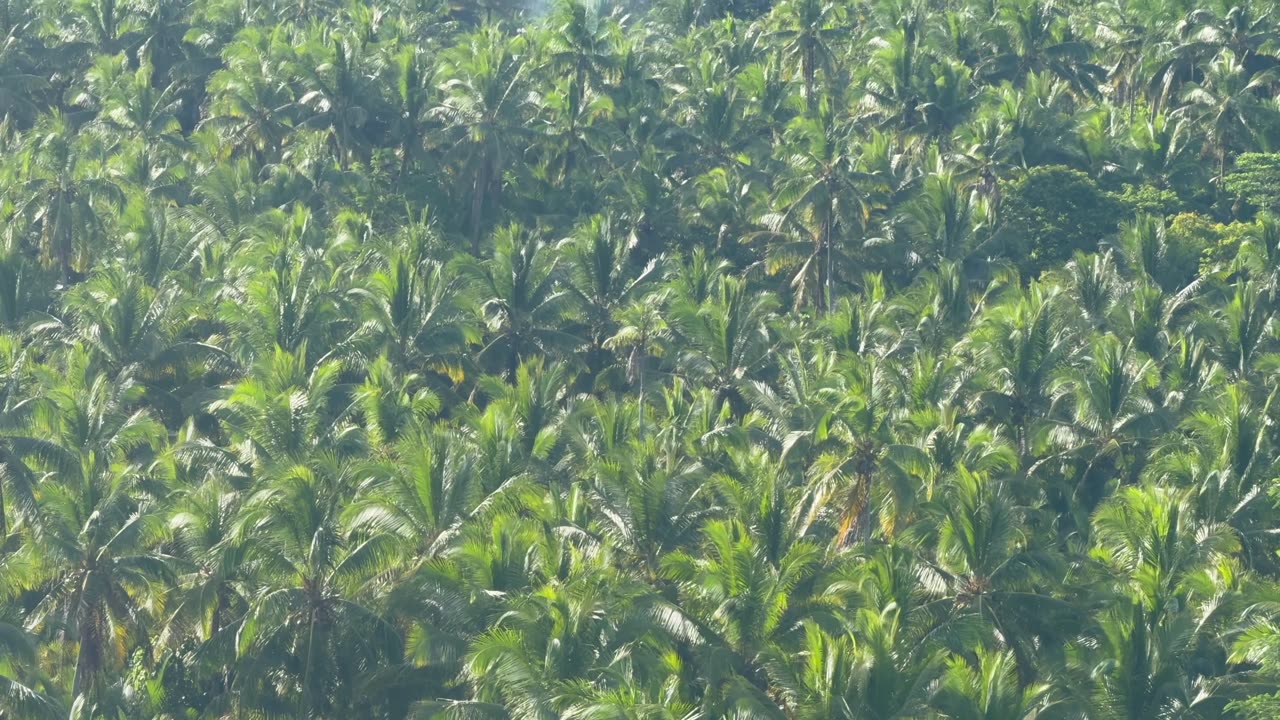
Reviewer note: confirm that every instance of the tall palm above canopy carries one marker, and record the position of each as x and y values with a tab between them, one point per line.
1227	103
1040	39
333	71
810	32
250	106
63	191
820	197
581	48
482	112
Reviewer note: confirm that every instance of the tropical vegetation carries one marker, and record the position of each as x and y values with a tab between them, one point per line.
639	360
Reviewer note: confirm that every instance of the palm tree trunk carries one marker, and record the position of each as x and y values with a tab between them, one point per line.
826	301
477	205
640	422
404	158
1222	167
824	285
60	239
808	71
87	651
513	359
576	93
304	700
567	171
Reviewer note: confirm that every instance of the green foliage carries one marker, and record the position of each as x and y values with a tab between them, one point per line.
1050	213
1258	708
1189	237
1256	179
1151	200
639	359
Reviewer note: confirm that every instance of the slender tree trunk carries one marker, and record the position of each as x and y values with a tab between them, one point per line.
825	269
639	370
513	359
304	701
88	650
477	205
60	238
808	71
863	530
576	93
826	301
4	521
1222	167
567	171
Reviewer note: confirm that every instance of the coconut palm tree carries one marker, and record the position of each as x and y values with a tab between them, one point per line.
1226	105
991	690
808	33
412	102
524	300
62	193
306	643
249	107
581	50
1110	410
728	338
332	73
1020	344
1151	536
393	360
743	607
818	199
414	314
100	565
22	444
482	116
604	276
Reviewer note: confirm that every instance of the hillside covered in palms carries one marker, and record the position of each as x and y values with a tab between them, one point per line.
639	360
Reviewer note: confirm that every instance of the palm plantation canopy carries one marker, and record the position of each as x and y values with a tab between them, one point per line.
639	360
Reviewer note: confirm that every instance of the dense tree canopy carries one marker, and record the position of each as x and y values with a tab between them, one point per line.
605	360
